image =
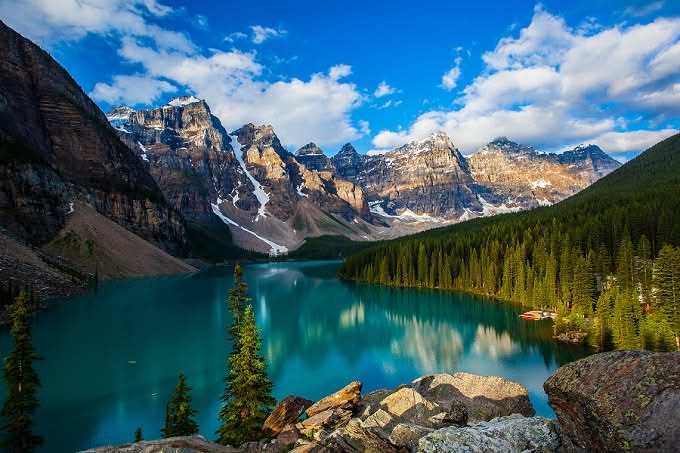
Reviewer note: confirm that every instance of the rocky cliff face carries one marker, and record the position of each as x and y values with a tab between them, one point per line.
521	176
57	146
430	181
272	195
188	153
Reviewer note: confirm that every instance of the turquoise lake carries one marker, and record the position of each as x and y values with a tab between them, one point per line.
112	356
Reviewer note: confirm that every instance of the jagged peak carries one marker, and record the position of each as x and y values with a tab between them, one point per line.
122	112
181	101
348	148
435	139
310	149
502	140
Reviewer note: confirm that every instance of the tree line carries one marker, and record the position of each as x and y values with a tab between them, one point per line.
606	260
246	402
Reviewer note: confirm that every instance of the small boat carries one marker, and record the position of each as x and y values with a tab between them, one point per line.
132	362
536	315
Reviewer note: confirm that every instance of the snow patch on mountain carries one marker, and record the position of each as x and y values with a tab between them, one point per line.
182	101
299	188
145	158
275	250
260	194
541	183
489	209
407	215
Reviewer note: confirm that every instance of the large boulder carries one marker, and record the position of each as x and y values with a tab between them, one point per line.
346	398
285	441
618	401
356	438
191	444
407	435
285	413
327	420
407	404
485	397
507	434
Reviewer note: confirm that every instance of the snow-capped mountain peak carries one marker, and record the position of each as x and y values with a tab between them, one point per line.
182	101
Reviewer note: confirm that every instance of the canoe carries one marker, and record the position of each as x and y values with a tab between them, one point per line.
536	315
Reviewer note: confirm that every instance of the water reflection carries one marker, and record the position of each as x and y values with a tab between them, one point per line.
318	334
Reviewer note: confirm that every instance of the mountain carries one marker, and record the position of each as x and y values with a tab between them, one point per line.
597	258
273	199
57	150
517	175
269	198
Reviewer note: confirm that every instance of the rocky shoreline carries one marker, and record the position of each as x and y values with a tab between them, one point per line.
615	401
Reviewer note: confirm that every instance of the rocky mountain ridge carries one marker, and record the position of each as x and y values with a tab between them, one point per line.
57	150
269	195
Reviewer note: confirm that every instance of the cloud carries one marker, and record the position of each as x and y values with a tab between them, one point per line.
261	34
364	127
131	89
384	90
385	105
450	78
236	36
339	71
317	109
641	11
51	21
550	85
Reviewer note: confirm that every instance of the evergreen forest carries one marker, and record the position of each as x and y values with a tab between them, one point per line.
607	260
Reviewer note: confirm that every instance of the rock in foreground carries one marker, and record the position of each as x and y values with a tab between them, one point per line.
194	444
505	434
618	401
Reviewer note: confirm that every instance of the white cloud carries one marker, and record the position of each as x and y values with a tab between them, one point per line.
317	109
450	78
386	104
364	127
50	21
551	85
131	89
624	142
236	36
640	11
339	71
384	90
261	34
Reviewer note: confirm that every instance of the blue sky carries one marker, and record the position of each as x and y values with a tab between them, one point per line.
381	73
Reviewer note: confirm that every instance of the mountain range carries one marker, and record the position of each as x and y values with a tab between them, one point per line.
273	199
124	194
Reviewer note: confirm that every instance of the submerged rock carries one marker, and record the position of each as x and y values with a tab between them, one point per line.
618	401
504	434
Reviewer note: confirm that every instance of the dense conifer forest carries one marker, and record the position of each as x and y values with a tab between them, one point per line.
607	260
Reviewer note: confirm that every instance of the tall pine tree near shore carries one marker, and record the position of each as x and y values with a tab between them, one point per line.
248	396
22	384
237	300
178	413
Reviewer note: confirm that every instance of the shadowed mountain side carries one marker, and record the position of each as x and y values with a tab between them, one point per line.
100	245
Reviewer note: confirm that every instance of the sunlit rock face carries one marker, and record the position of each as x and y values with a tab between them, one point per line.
518	175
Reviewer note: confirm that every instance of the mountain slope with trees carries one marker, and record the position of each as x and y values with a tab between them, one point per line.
607	259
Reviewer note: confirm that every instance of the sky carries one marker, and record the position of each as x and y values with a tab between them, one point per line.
382	73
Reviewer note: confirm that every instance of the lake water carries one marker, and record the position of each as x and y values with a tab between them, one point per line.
112	356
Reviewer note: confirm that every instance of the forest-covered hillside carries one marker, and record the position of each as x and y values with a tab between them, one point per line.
607	259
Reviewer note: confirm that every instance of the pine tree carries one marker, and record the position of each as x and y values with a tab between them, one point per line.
248	395
667	285
178	412
138	434
22	383
238	298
